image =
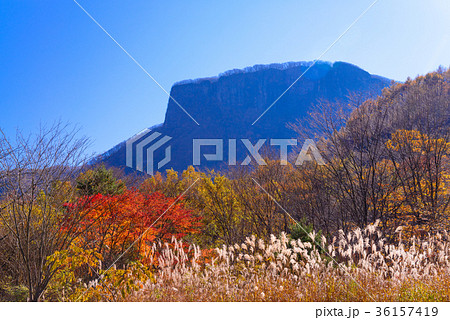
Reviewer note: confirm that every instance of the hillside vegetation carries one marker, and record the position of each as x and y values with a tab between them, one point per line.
370	225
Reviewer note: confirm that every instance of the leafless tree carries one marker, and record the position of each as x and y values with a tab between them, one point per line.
35	175
362	173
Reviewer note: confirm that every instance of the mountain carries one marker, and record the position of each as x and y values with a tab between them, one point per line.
226	107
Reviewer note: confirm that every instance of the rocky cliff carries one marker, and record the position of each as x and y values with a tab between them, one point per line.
226	106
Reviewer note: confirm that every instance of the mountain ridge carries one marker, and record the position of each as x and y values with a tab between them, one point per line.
225	106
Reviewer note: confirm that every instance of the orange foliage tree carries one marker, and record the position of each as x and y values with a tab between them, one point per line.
123	227
420	163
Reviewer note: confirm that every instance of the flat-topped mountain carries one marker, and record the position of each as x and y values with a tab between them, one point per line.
226	106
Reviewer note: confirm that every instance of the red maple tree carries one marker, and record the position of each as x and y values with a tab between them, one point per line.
125	226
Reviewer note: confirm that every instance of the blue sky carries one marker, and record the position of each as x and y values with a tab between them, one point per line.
56	64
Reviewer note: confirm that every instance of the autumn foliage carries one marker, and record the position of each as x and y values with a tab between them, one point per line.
111	224
378	209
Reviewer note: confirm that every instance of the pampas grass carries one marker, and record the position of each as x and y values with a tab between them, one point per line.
358	266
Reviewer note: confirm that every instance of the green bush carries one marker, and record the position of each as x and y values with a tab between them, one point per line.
302	230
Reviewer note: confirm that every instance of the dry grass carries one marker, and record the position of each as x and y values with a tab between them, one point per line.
359	266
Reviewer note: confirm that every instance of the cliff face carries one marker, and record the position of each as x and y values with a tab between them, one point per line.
226	106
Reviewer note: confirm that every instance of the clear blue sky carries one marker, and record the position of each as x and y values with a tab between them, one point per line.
55	63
